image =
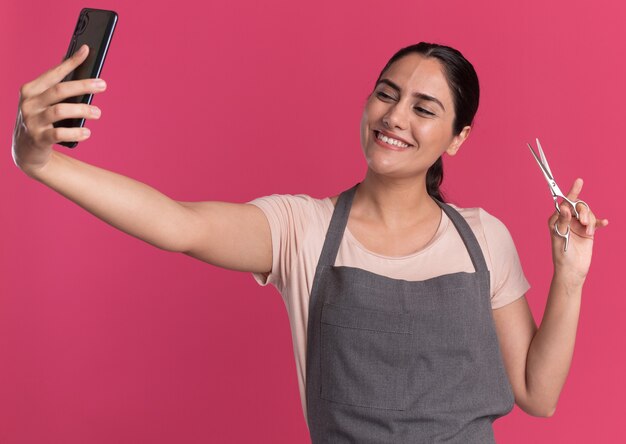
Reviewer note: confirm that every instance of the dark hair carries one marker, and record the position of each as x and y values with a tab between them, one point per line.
463	83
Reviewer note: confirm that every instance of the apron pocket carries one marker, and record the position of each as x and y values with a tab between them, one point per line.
365	356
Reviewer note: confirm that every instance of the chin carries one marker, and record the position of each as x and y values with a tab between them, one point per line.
387	169
380	163
381	159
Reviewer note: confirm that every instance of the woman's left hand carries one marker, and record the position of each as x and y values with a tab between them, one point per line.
577	259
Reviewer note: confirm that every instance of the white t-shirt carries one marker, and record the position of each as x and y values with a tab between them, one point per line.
298	226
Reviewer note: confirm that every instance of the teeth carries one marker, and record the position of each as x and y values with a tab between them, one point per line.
391	141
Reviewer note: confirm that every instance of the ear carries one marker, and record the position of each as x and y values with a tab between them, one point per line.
458	140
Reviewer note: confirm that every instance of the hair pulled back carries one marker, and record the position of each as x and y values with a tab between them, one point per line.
463	83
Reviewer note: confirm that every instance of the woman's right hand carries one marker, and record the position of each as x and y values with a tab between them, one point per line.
39	108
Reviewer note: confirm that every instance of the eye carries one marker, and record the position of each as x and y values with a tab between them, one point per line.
421	110
383	96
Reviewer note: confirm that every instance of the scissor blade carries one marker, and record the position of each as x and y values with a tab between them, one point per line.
545	172
543	159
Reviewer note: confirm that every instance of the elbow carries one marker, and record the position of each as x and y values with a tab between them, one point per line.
540	411
538	407
548	413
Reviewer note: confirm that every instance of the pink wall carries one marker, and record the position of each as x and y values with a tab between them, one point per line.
105	339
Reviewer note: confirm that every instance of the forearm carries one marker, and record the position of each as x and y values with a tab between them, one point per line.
552	347
124	203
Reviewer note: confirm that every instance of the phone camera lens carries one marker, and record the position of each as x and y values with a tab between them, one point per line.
82	24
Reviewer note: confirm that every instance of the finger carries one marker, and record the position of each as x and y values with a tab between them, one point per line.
584	214
565	218
577	187
56	74
601	223
56	135
552	220
591	223
64	90
63	111
594	224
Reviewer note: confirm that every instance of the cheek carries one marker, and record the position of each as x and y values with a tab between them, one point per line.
436	132
372	112
364	128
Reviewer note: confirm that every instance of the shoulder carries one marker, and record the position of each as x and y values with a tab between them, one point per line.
483	222
507	277
297	210
292	202
289	199
295	220
492	235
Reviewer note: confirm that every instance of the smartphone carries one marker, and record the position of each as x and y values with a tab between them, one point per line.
95	28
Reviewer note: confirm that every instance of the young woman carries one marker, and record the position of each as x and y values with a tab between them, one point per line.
408	315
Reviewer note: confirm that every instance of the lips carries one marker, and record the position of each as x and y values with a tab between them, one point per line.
380	137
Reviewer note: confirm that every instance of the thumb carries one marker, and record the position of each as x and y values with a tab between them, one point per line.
564	218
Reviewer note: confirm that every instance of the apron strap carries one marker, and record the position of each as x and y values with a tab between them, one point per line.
469	239
336	228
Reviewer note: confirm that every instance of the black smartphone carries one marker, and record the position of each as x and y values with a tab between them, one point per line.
95	28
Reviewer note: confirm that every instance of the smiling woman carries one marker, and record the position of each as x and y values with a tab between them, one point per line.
461	83
413	104
408	315
413	325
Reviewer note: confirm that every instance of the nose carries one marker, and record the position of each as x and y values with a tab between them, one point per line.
395	117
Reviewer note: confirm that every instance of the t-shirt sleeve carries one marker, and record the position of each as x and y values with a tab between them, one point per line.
287	215
509	280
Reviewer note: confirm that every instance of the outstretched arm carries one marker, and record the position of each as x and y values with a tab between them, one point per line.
235	236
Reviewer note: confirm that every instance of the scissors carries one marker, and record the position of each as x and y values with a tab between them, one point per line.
556	191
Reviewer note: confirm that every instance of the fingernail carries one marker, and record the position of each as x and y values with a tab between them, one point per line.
95	111
99	83
86	132
82	50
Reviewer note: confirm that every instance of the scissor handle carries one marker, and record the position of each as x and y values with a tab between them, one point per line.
563	235
572	204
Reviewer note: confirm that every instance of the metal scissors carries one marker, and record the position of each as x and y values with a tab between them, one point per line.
556	191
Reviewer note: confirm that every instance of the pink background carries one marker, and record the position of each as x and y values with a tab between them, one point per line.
106	339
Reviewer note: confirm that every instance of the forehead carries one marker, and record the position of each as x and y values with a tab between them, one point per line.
415	73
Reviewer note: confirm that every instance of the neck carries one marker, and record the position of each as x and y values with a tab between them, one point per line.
395	203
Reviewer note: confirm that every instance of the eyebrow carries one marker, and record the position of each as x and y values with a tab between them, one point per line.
417	94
